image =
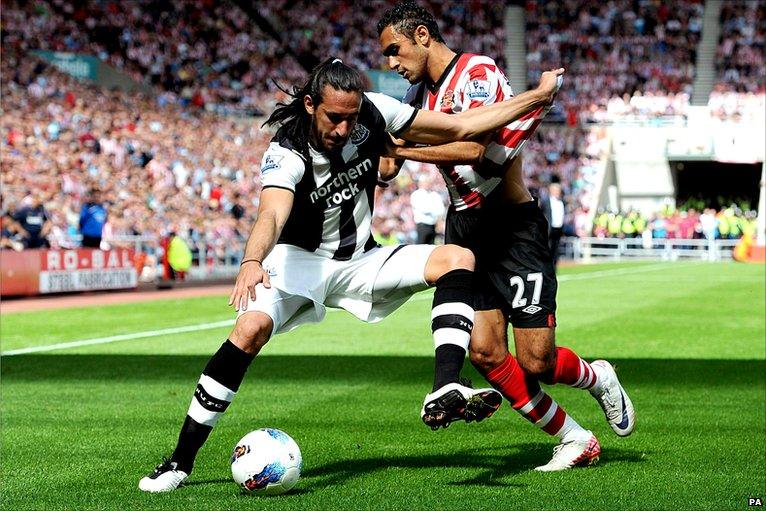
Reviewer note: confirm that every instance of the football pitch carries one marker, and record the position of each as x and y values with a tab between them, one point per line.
80	425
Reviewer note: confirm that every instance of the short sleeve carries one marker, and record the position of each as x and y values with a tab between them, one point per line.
397	115
281	168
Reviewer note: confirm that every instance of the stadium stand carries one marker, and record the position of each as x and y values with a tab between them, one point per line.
622	57
61	137
740	87
205	54
214	64
474	26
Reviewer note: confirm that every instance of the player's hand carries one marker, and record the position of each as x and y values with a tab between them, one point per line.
250	274
550	82
388	168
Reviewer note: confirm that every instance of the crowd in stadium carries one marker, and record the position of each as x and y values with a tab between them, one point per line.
204	54
622	57
740	66
739	57
170	162
160	169
671	223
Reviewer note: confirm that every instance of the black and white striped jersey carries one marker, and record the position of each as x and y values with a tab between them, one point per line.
334	192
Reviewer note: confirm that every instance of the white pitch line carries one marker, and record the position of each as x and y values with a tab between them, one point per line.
219	324
123	337
619	271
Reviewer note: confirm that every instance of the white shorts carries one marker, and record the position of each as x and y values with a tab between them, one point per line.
370	287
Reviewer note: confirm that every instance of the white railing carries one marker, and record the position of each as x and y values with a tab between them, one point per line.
215	263
618	249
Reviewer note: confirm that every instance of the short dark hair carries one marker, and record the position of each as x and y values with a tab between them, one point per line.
292	116
406	16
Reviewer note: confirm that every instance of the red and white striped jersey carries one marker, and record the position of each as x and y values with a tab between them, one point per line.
471	81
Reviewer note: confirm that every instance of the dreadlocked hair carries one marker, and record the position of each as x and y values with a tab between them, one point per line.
293	117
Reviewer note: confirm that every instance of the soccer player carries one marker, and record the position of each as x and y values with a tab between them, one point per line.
311	246
494	215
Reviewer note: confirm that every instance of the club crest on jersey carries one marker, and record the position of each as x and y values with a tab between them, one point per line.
477	89
359	134
271	163
448	100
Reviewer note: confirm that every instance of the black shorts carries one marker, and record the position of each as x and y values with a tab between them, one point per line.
514	269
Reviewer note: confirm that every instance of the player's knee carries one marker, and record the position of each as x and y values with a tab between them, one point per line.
486	358
459	258
251	332
447	258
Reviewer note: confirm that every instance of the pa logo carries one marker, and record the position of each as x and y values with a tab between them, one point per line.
359	134
755	501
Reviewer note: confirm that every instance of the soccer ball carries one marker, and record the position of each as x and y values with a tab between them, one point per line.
267	462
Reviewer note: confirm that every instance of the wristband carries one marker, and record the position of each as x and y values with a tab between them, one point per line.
251	260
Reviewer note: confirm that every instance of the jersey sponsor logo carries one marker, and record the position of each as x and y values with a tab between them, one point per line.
359	134
477	89
343	186
448	100
272	163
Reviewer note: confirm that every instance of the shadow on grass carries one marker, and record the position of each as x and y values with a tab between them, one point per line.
206	482
354	369
495	466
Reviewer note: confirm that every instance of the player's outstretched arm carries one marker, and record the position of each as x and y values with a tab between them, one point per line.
439	128
273	211
453	153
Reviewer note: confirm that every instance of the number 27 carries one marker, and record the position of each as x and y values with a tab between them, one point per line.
518	299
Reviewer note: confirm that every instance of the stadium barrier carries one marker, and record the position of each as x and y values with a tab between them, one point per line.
619	249
46	271
216	260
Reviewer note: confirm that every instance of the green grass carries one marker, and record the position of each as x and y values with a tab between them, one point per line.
80	426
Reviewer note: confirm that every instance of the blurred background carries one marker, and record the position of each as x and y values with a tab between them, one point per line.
137	125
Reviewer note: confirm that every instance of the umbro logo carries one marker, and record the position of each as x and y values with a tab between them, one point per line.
532	309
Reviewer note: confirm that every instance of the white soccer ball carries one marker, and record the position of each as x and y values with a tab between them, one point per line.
267	462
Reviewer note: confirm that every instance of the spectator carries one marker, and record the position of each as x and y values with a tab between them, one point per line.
553	209
92	220
34	221
427	210
11	233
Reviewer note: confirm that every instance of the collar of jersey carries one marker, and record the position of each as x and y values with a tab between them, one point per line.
435	86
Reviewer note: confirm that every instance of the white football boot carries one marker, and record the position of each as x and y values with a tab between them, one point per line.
165	477
456	401
613	399
581	451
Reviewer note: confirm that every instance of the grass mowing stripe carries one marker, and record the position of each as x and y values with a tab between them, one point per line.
219	324
144	334
78	430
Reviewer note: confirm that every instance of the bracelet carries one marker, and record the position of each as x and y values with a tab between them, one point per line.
251	260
